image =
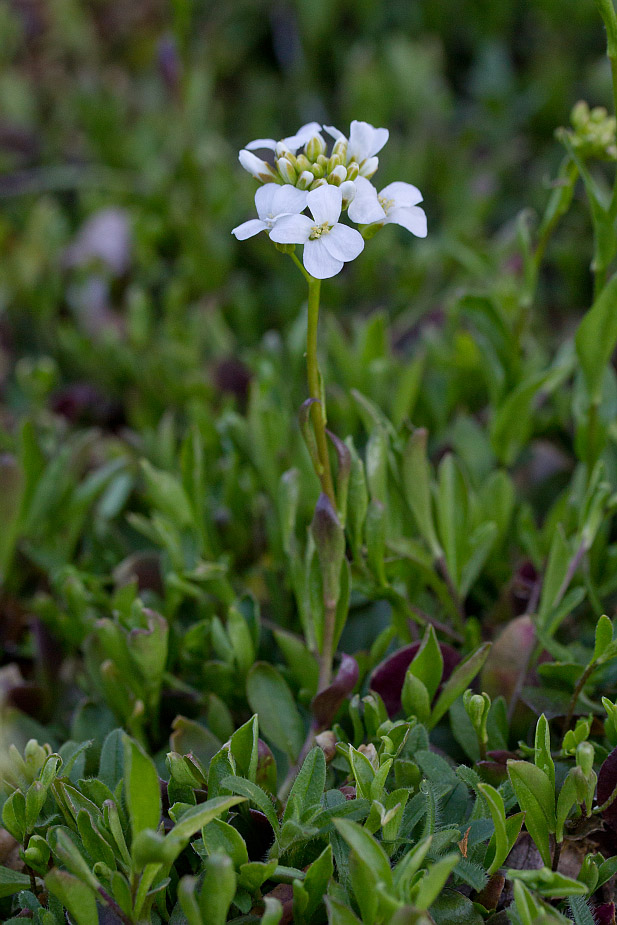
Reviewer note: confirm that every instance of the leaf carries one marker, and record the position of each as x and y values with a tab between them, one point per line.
536	797
604	636
279	719
167	494
427	664
78	898
308	785
498	814
596	337
367	848
549	883
543	758
143	794
459	681
12	881
199	816
256	795
417	482
434	880
325	705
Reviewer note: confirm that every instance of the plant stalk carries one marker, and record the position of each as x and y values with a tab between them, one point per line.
317	409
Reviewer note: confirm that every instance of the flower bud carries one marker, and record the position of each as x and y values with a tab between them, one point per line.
369	167
338	175
333	161
286	170
320	182
585	754
314	147
353	170
256	167
281	150
305	179
302	163
322	160
317	171
340	149
348	189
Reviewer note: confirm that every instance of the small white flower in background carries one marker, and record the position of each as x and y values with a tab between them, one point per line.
258	168
271	202
396	204
327	243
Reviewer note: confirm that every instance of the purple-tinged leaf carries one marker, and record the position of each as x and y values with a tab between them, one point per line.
388	677
325	704
607	783
605	914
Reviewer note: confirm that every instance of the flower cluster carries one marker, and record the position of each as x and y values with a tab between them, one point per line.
326	184
594	132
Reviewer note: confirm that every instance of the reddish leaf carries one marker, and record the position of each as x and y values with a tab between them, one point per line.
607	782
388	677
325	704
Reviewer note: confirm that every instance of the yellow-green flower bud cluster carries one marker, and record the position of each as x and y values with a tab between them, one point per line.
312	167
595	132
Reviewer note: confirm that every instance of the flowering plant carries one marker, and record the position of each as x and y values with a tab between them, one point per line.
328	185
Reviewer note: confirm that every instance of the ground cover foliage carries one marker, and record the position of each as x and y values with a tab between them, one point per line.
173	744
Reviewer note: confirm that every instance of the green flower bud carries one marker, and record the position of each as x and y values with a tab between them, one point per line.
353	170
340	149
322	160
337	176
319	182
317	171
334	161
286	170
305	179
369	167
315	147
585	753
302	163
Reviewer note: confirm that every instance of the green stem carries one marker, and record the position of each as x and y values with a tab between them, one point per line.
317	409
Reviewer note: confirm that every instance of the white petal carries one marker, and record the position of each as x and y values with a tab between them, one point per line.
365	140
325	203
268	143
291	229
287	198
365	208
403	194
248	229
318	262
413	218
333	132
255	166
303	134
343	242
264	198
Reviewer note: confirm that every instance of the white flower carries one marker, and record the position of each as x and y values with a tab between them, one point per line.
291	143
365	141
271	201
256	167
327	243
397	203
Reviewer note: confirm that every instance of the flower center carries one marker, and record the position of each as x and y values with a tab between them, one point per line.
318	230
386	204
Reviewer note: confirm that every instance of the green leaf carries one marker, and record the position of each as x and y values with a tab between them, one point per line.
498	814
536	797
218	889
597	336
367	848
199	816
459	681
279	719
167	495
427	664
143	794
221	838
256	795
415	698
308	785
11	881
543	757
244	745
549	883
604	636
75	895
434	880
417	482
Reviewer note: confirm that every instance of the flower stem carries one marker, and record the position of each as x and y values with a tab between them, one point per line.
317	409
